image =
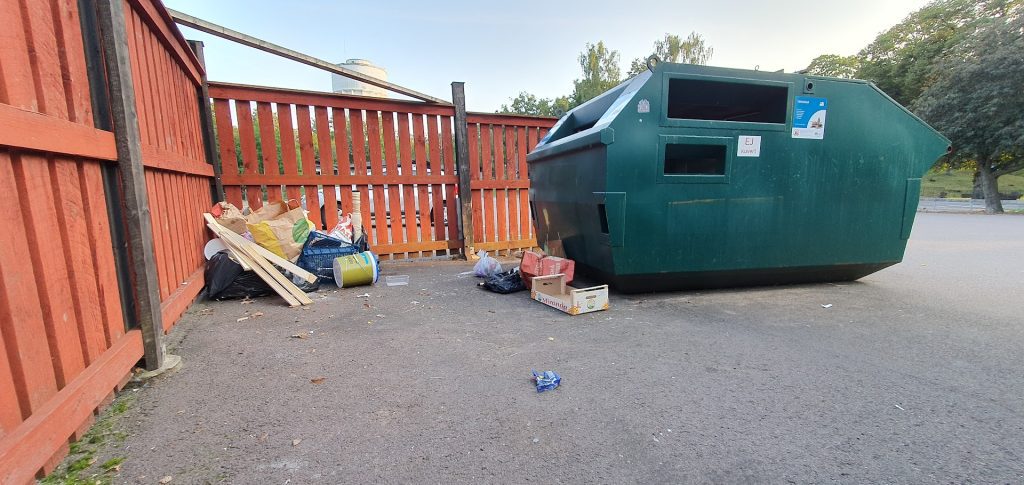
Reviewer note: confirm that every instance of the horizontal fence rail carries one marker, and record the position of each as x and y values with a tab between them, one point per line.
397	155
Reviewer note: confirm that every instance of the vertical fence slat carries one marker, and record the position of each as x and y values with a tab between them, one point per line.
288	157
226	147
394	198
405	157
247	142
323	138
307	159
267	148
373	141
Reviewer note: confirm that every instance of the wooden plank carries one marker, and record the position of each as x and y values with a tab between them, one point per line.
419	143
226	147
394	199
10	411
33	442
500	184
169	194
24	336
508	245
487	174
451	170
268	148
163	159
36	131
405	157
380	210
98	224
77	256
157	214
320	98
522	204
247	143
36	186
17	86
307	163
463	167
507	119
42	47
123	114
487	158
133	26
474	172
74	74
152	73
286	126
436	190
323	138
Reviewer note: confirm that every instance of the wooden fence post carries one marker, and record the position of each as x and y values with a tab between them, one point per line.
462	160
133	179
206	123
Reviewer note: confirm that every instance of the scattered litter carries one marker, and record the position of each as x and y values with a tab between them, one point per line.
656	439
464	274
299	335
364	295
166	479
242	319
547	380
504	283
206	311
256	314
551	338
900	407
414	302
535	440
296	442
553	292
397	280
318	380
380	316
487	265
827	306
247	301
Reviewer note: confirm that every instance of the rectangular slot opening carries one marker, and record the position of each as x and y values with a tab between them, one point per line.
603	216
693	99
686	159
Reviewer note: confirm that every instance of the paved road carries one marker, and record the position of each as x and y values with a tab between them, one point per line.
929	204
914	375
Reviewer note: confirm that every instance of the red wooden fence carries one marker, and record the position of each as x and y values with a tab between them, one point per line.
167	91
398	155
63	344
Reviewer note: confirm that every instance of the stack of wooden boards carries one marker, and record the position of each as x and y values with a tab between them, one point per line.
261	261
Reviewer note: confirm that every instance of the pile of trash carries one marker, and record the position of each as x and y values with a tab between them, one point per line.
277	249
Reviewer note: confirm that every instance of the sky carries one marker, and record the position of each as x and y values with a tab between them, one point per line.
499	49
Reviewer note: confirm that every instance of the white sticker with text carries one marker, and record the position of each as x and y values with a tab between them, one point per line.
748	146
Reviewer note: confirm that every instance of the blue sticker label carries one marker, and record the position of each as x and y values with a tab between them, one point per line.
809	117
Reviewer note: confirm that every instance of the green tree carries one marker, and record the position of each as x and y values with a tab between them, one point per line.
833	65
977	101
901	61
672	48
529	104
601	72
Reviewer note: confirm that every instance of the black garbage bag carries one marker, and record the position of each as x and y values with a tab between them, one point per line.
504	283
226	280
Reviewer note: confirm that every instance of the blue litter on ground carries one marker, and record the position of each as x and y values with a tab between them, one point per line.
547	380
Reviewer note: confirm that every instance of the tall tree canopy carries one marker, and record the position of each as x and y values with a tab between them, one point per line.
977	100
601	72
672	48
901	60
833	65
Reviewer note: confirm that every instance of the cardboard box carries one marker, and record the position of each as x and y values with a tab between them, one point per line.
553	265
553	292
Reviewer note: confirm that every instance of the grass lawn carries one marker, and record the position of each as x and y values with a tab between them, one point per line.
959	183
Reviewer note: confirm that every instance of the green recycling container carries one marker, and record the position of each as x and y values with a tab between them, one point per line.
688	177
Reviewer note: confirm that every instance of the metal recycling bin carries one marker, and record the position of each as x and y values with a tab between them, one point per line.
688	177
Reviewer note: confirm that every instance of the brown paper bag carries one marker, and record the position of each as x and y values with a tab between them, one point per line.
232	218
280	230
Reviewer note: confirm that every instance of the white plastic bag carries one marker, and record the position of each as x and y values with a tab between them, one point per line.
487	265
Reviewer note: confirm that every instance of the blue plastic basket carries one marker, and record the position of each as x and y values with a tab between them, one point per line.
319	252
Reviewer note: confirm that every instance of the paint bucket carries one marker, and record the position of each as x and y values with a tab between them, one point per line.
355	270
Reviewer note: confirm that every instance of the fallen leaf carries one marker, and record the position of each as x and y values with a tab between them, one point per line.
166	479
296	442
242	319
263	438
318	380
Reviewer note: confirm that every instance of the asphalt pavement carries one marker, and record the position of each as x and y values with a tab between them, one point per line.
912	375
